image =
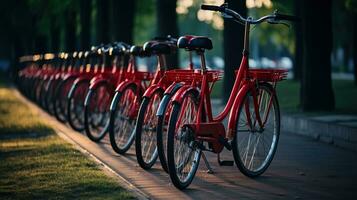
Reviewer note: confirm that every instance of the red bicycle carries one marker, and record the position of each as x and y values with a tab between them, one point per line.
254	118
100	93
163	83
126	101
80	88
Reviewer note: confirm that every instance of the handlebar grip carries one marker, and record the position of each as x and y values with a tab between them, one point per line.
286	17
210	7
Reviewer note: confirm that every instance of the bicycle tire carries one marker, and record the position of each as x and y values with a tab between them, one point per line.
185	137
102	125
241	159
141	138
128	141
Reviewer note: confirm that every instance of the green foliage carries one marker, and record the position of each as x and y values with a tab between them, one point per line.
145	21
351	5
273	39
46	11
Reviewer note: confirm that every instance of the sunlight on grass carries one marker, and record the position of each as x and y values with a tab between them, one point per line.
16	118
36	164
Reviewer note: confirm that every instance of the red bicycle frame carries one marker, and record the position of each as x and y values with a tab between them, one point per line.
246	80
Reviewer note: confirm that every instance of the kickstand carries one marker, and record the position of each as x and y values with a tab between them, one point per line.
209	168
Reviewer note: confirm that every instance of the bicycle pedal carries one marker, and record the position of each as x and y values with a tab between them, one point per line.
226	163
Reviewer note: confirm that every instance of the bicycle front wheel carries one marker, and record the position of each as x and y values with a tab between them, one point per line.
183	153
96	111
254	146
145	137
75	106
125	106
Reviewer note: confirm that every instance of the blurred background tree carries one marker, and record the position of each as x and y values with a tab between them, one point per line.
38	26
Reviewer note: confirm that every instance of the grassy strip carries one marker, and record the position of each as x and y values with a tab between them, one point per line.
344	90
36	164
289	96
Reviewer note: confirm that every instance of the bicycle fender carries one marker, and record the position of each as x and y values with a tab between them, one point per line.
89	94
172	89
178	97
169	92
76	82
235	109
97	82
163	105
121	87
70	76
150	91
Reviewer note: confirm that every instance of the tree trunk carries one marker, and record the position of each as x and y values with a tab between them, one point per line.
55	35
355	47
233	35
298	43
123	20
85	19
316	84
70	33
167	25
103	20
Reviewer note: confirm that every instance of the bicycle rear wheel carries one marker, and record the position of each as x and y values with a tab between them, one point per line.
254	147
123	115
183	153
145	142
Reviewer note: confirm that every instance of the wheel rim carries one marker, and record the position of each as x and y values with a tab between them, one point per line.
124	124
256	148
99	111
186	152
148	134
77	106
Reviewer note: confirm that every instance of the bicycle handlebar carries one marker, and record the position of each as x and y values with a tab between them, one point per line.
212	7
274	17
279	16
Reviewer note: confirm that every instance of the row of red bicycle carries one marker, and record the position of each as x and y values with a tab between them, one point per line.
166	112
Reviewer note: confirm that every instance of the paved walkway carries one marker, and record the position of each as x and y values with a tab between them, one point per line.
301	169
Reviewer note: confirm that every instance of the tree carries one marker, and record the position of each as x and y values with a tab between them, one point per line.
167	25
103	20
351	5
316	84
355	46
233	45
298	42
70	32
85	19
123	20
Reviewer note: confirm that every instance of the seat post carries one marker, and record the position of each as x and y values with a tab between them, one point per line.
161	61
201	53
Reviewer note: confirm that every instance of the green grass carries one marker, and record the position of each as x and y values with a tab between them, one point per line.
289	96
344	90
36	164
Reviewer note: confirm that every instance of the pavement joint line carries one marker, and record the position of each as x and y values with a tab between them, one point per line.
123	181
